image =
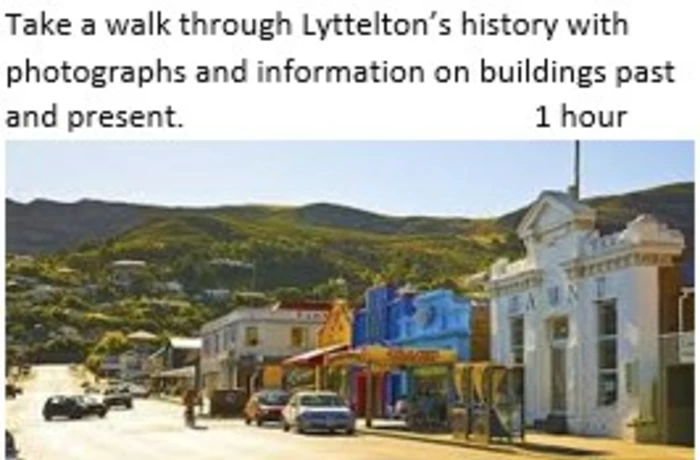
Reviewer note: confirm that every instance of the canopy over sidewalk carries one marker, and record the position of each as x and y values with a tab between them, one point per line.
376	356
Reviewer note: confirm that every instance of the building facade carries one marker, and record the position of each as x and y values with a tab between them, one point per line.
435	320
237	346
582	312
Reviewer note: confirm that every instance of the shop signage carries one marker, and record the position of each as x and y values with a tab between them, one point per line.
412	357
686	347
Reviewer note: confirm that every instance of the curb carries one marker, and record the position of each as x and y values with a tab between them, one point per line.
444	442
514	450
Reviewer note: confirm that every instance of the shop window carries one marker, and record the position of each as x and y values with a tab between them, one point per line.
251	336
517	338
607	353
298	337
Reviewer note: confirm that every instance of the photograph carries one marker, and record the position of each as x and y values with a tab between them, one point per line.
349	299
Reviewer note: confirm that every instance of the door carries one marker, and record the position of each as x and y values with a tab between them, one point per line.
558	379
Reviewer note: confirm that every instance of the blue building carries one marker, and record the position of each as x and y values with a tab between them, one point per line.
392	317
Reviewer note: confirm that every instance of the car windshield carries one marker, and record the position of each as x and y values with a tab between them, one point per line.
321	400
274	398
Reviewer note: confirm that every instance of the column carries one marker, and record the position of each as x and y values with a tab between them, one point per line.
369	397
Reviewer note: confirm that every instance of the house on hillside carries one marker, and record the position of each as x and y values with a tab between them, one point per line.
587	315
125	271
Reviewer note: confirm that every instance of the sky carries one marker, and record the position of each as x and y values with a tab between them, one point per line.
465	179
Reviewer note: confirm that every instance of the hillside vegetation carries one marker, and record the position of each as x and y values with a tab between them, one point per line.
297	252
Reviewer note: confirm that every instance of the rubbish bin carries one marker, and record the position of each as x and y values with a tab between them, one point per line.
227	403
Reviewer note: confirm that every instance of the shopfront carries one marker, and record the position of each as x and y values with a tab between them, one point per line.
376	362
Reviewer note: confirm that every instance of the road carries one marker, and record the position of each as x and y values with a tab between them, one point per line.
155	430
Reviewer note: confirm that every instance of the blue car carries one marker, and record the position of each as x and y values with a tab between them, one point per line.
318	411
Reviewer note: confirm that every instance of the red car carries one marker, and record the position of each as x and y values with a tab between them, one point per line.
265	406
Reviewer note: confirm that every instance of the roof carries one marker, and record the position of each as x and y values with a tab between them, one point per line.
557	199
142	335
128	263
186	343
187	372
304	305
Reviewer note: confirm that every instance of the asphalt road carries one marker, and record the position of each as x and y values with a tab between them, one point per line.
155	430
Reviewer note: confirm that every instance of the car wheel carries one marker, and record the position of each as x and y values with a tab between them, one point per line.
285	427
298	428
350	431
47	418
103	413
129	405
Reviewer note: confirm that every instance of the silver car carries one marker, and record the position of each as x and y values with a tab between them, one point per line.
318	411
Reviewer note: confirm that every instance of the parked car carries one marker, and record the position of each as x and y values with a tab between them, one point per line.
138	391
265	406
118	396
73	407
11	450
12	390
318	410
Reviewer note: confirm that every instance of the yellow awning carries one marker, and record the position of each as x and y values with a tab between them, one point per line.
392	357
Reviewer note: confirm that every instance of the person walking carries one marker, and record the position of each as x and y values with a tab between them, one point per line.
189	401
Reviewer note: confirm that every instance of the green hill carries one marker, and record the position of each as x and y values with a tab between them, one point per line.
298	246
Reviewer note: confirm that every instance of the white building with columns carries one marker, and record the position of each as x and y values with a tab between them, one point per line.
581	312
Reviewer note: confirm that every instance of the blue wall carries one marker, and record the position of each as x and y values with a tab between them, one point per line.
441	320
433	320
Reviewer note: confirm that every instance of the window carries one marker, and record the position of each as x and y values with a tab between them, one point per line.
517	338
251	336
298	337
607	353
560	328
632	377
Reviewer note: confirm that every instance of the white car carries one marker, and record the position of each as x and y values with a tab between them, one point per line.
318	411
138	391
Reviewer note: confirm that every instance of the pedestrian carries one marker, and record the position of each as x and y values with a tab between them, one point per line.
189	401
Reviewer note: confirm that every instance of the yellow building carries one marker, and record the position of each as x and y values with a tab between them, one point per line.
333	336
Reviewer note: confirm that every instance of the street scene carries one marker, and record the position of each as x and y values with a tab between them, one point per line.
154	430
562	328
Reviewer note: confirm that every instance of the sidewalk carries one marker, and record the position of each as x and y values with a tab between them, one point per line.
541	445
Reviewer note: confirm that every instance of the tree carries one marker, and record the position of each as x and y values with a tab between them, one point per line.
288	294
71	302
112	343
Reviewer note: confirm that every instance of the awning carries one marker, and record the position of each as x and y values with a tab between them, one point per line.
182	372
314	357
392	357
